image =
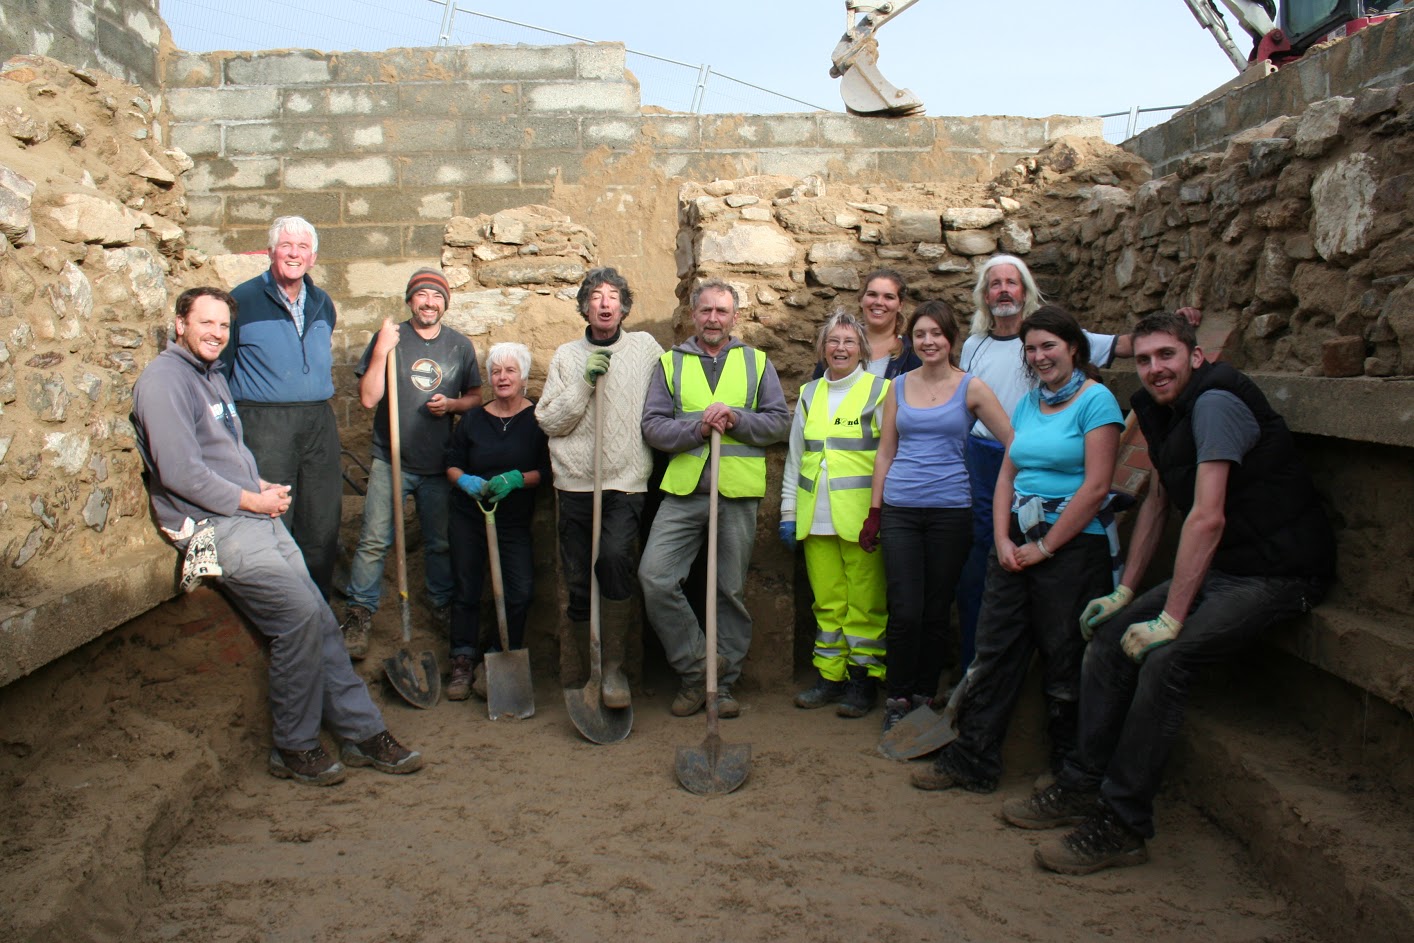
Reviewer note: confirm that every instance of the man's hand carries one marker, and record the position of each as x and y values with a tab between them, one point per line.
787	532
869	533
1143	637
439	405
1101	610
387	338
1192	315
473	485
503	484
718	416
273	500
596	366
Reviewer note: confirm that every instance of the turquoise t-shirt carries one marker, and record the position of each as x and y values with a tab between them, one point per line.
1049	450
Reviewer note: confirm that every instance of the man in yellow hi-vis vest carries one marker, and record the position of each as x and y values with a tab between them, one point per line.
710	381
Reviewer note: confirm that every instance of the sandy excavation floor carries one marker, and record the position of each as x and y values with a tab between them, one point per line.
524	831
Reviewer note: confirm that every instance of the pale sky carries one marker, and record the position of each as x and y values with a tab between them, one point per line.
962	57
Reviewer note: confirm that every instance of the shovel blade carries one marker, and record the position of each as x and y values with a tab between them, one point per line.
509	692
919	733
598	724
715	768
417	678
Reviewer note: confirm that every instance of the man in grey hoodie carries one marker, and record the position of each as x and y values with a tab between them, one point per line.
709	382
211	503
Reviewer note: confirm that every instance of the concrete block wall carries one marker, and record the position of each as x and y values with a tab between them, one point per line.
121	37
1378	57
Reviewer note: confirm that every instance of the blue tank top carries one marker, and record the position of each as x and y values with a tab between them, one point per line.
928	470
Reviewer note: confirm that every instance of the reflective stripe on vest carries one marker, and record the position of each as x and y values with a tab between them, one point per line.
743	471
846	443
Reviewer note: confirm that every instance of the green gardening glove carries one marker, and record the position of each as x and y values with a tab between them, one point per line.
1143	637
1102	609
596	366
502	485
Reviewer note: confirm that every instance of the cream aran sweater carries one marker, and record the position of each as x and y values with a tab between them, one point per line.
566	413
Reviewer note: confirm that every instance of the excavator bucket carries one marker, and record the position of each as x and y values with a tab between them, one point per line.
866	92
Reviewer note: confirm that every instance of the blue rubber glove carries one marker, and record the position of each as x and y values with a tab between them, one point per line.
472	485
1141	638
787	532
502	485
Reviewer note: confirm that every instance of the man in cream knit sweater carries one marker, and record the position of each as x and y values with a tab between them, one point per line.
621	363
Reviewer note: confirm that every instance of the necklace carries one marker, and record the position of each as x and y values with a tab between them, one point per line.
505	421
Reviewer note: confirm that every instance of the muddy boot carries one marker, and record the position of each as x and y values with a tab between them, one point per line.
615	617
358	623
823	692
860	691
459	688
574	655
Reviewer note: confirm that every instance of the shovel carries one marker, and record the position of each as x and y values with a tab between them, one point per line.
418	678
509	692
715	768
598	723
923	730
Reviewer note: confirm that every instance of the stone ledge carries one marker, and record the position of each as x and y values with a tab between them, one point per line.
127	586
1373	652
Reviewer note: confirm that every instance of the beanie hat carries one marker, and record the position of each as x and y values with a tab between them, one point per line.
428	278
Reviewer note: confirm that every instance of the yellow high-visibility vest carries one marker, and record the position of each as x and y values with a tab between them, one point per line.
743	468
846	443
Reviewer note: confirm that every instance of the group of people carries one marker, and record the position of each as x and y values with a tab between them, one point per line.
921	467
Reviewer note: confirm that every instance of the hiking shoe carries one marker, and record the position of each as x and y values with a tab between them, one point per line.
860	692
478	680
459	687
823	692
1050	807
690	698
358	623
727	705
381	752
1102	841
895	710
313	767
940	775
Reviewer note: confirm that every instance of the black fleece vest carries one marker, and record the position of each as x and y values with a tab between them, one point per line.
1275	525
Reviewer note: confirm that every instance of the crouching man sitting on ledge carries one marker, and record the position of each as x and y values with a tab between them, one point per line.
1255	549
211	503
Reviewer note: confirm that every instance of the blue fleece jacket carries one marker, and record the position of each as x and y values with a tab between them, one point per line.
267	360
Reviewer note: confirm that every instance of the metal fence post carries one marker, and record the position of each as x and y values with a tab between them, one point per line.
445	37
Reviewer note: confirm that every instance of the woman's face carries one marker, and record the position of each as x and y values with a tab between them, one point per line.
929	342
880	304
842	352
1052	359
506	381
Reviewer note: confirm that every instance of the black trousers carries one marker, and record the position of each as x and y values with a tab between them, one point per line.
618	546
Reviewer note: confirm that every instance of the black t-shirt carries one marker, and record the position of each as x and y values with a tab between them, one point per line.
447	365
487	445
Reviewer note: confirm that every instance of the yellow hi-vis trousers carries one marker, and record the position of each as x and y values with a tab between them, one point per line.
850	606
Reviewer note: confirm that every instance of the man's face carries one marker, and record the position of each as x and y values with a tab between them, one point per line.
292	256
427	306
714	316
1005	291
206	328
604	311
1165	365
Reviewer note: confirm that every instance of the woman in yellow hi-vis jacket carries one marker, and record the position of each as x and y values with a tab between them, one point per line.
824	500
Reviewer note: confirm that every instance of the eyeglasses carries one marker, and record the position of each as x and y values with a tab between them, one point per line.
848	343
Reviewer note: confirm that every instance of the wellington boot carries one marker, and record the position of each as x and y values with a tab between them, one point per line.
615	616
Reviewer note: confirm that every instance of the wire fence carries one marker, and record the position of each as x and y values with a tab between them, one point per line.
1120	126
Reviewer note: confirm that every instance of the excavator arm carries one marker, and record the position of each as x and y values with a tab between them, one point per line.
855	62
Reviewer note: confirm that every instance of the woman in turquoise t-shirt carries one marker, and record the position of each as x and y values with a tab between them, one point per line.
1052	554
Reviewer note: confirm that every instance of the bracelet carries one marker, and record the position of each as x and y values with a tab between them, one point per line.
1041	546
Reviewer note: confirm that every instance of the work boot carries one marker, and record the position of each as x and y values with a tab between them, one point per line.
942	775
381	752
860	692
615	616
727	706
823	692
1051	807
478	680
690	698
313	767
895	710
459	687
1102	841
358	623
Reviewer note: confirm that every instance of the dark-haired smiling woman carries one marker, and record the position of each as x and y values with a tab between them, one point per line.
1052	553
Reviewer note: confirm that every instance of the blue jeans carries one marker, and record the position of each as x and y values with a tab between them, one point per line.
924	549
984	465
376	538
1130	714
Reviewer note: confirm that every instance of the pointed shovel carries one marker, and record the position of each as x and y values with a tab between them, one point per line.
418	678
598	723
509	692
923	730
715	768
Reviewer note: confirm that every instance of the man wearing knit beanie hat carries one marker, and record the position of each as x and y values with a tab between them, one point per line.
437	379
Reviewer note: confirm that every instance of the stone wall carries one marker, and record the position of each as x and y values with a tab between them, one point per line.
1378	56
121	37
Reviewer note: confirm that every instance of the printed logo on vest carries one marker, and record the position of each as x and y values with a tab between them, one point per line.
426	374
